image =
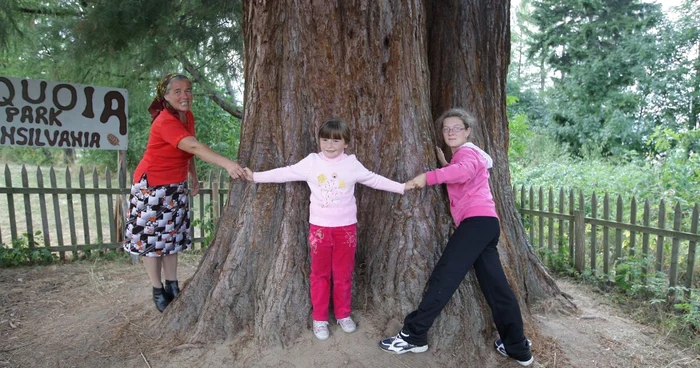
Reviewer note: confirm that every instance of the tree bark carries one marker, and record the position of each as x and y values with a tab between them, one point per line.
365	61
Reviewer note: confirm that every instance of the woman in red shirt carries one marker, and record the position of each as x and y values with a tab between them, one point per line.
158	221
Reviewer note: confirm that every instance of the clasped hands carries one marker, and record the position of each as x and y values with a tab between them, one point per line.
416	183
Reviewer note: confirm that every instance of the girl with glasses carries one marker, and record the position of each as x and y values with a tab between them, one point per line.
473	244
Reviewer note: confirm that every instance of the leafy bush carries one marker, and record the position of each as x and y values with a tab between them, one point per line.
25	252
207	224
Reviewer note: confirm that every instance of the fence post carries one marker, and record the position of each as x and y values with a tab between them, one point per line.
27	209
633	221
691	253
594	232
675	245
579	238
561	222
540	222
606	236
550	221
532	217
618	231
42	204
571	227
215	205
660	238
645	241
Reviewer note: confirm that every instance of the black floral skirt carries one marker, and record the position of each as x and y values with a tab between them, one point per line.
158	221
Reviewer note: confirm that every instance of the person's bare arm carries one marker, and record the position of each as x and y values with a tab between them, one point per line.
203	152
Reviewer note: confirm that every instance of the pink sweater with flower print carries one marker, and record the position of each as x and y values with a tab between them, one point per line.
332	184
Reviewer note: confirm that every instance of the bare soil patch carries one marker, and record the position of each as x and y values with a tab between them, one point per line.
100	313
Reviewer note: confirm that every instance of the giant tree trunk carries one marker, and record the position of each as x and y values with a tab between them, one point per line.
365	61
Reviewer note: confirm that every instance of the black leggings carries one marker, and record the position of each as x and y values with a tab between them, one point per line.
472	244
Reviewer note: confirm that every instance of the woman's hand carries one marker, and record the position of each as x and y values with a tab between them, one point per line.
234	170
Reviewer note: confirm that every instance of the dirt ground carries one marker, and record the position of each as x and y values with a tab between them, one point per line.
97	314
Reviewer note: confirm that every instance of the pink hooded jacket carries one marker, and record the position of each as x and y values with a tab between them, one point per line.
467	181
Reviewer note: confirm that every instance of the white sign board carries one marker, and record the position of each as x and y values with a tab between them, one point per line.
37	113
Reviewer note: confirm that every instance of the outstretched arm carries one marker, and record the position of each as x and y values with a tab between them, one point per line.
379	182
296	172
191	145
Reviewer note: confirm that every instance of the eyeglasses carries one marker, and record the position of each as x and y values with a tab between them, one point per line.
447	130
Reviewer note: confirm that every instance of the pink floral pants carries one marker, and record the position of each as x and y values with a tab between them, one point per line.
332	258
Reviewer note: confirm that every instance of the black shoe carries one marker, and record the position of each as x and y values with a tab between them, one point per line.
398	345
172	288
523	360
161	298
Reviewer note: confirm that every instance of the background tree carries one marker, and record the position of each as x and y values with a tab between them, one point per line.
378	65
671	91
130	45
598	50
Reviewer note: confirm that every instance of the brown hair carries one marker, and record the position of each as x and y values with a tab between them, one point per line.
334	129
467	118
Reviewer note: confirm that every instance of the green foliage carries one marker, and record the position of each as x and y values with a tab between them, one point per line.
32	155
520	132
688	314
671	176
25	252
94	253
629	271
659	302
558	261
207	224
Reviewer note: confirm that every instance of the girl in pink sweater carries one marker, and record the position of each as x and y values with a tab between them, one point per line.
331	175
473	244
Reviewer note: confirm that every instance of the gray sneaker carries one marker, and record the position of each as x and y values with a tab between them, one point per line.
347	324
321	330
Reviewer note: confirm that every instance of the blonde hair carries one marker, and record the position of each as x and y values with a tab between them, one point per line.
467	118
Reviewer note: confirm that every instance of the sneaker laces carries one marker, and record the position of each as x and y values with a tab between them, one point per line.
320	325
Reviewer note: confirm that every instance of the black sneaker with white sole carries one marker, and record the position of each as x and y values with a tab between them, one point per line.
524	361
398	345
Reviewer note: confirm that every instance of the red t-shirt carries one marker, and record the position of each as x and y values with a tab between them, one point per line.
163	162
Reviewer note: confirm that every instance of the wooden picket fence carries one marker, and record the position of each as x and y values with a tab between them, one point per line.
89	216
570	224
86	216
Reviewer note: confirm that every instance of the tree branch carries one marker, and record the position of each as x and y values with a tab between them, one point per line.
50	11
224	103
